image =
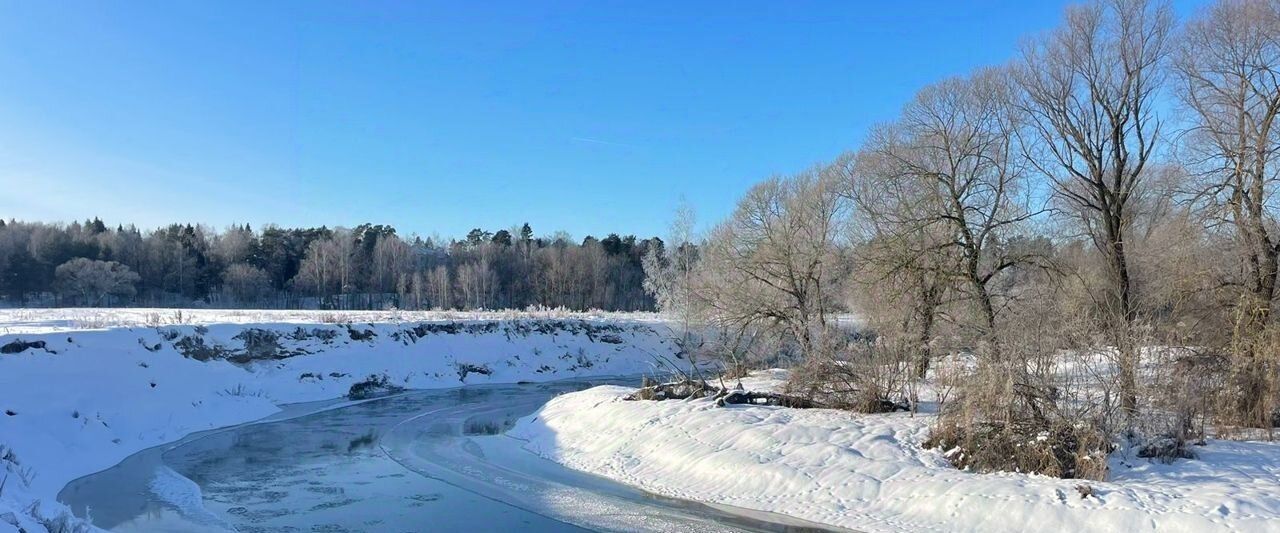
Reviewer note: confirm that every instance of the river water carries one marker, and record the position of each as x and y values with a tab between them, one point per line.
422	461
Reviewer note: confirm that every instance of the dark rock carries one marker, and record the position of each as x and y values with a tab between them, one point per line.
19	346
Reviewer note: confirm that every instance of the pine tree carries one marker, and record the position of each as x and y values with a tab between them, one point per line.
502	238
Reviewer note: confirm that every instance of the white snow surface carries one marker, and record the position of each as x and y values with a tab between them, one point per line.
26	320
870	472
105	384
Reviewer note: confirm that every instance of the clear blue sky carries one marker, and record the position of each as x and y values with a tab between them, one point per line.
587	116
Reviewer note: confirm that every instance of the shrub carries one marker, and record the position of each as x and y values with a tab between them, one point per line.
258	344
867	376
1058	450
373	387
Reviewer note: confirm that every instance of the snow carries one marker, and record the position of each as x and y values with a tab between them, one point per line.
185	495
870	472
25	320
109	383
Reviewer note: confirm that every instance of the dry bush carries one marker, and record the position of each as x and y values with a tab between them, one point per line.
1185	391
1060	449
949	375
1243	393
1006	418
1027	404
1251	399
738	349
868	376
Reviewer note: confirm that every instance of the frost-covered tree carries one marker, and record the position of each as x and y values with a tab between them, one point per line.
246	284
669	272
92	282
1090	90
776	262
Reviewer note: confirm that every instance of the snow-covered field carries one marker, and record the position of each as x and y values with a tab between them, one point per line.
870	473
81	389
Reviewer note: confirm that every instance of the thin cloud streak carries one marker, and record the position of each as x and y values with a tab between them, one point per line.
606	143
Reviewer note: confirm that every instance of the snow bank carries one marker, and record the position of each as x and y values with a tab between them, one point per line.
869	472
79	395
27	320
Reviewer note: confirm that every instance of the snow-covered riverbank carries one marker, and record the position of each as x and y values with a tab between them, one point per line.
82	390
870	473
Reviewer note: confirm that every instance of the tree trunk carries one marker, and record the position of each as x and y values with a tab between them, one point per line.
1126	316
929	304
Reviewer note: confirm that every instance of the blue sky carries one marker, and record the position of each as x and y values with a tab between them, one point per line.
587	116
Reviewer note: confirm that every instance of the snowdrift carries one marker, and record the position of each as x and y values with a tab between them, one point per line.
870	473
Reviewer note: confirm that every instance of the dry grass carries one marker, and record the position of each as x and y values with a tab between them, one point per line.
867	376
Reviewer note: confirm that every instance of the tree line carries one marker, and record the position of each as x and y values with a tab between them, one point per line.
367	267
1078	247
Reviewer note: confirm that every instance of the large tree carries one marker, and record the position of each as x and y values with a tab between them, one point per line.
1228	72
946	186
1091	93
775	262
91	282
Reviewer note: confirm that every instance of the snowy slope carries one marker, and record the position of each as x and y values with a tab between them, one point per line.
869	472
78	395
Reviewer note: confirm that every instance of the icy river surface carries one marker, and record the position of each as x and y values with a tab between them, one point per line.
422	461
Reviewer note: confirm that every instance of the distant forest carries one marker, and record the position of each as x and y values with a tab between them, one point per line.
367	267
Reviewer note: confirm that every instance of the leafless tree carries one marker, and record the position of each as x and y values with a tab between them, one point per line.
776	261
1090	91
92	282
1228	73
233	245
946	187
439	288
392	259
328	267
477	284
669	276
245	284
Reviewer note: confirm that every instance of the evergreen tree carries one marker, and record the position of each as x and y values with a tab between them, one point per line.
502	238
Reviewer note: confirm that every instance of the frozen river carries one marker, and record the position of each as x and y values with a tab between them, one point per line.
421	461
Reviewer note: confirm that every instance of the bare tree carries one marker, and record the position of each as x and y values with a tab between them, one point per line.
946	189
92	282
233	245
329	265
1228	72
439	288
1229	79
776	261
392	258
1090	91
246	284
669	273
477	282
